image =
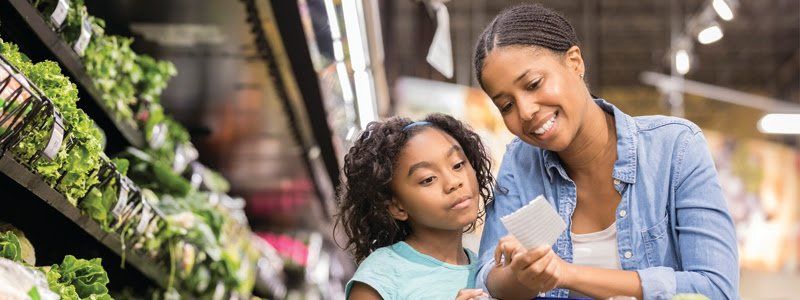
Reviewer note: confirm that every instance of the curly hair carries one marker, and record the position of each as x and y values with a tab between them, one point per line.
365	195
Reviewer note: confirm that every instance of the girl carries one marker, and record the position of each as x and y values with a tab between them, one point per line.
412	189
645	212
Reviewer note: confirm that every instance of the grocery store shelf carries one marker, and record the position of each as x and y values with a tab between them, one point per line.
297	86
26	27
33	183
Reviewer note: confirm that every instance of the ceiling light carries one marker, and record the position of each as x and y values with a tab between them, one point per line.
682	62
723	9
709	35
780	124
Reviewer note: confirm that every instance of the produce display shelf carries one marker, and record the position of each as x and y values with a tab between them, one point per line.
61	52
32	182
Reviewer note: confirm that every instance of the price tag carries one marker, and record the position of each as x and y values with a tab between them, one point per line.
122	201
60	13
83	40
159	136
21	81
5	87
147	215
4	70
56	137
197	174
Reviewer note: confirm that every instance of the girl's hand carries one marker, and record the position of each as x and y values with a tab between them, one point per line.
507	247
540	269
471	294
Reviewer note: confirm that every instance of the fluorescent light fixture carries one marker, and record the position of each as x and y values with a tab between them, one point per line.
723	9
365	102
709	35
355	40
333	21
359	59
682	62
344	82
780	124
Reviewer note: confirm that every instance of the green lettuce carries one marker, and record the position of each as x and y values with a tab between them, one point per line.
75	165
10	247
88	278
65	290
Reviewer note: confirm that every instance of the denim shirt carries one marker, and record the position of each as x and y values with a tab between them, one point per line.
660	160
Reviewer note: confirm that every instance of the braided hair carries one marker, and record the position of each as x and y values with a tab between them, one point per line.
365	195
525	25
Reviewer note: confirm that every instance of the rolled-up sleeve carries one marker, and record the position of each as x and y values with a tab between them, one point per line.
706	234
506	200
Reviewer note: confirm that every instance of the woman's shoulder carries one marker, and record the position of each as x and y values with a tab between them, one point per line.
518	149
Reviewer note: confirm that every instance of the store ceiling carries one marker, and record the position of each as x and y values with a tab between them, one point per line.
760	50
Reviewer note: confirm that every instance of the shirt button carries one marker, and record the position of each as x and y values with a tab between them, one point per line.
628	254
616	181
623	213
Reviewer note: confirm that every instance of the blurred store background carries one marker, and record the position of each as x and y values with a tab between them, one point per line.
273	92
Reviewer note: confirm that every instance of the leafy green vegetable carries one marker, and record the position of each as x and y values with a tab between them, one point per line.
156	75
176	135
77	163
63	289
87	277
97	204
154	175
215	182
72	25
34	294
100	199
111	63
9	246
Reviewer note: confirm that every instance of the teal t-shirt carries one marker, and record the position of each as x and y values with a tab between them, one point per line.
400	272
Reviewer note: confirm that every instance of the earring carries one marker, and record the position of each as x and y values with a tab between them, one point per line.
581	76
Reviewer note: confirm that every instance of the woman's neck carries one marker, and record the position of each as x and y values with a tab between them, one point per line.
444	245
594	149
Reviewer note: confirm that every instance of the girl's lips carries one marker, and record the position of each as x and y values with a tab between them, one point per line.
464	202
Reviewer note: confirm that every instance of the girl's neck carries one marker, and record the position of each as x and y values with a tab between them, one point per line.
443	245
595	146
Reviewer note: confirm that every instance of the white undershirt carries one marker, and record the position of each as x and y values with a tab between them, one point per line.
596	249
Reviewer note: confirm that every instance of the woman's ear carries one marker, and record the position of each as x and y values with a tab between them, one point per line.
574	60
397	211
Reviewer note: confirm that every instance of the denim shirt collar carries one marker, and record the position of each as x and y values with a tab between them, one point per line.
625	166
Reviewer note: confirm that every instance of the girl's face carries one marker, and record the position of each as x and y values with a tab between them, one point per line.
540	94
434	184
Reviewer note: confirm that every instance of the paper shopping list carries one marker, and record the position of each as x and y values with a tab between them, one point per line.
535	224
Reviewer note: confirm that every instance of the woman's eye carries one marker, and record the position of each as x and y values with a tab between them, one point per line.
533	85
426	181
458	166
506	107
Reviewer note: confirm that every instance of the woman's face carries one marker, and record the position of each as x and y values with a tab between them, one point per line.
434	185
540	94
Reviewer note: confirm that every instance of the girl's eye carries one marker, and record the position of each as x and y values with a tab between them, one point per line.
459	166
506	107
427	181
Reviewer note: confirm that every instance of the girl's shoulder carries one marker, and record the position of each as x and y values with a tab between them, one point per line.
381	270
381	256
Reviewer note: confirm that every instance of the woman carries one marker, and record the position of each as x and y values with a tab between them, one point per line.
645	212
